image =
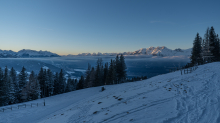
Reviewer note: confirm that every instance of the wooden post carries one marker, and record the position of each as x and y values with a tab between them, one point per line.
181	71
187	70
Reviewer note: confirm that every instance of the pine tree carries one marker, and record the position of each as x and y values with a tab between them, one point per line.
56	84
92	78
212	44
88	71
80	84
68	85
98	73
196	51
206	53
117	69
42	82
13	78
22	80
2	85
122	69
33	87
50	82
111	77
105	73
62	82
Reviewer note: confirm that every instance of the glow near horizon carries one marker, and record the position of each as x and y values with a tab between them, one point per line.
72	27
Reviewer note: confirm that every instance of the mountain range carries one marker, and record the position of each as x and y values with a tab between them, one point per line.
26	53
151	51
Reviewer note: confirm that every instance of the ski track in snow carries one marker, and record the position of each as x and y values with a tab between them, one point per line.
168	98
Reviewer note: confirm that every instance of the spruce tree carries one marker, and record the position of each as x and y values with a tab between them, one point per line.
8	95
122	69
62	82
111	77
196	51
117	69
22	80
56	84
42	82
50	83
80	84
13	77
68	85
92	78
105	73
88	71
2	85
33	87
212	44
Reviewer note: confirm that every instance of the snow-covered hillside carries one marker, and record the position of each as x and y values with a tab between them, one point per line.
26	53
168	98
151	51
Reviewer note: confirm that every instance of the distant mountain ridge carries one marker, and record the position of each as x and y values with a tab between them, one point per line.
153	51
26	53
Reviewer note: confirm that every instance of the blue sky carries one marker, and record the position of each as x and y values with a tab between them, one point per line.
77	26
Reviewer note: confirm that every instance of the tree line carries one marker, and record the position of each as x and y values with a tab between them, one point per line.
21	87
17	88
105	74
207	49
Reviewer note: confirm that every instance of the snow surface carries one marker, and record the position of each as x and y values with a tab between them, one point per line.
168	98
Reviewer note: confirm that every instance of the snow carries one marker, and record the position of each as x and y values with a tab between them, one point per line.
45	67
80	70
70	72
151	51
167	98
26	53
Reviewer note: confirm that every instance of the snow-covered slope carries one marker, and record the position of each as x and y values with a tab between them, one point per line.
168	98
26	53
154	51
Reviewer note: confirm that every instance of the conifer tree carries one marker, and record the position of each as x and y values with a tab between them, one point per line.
33	87
212	44
22	80
105	73
56	84
14	85
117	69
50	82
68	85
42	82
98	73
122	69
2	85
92	78
62	81
88	71
111	77
80	84
196	51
